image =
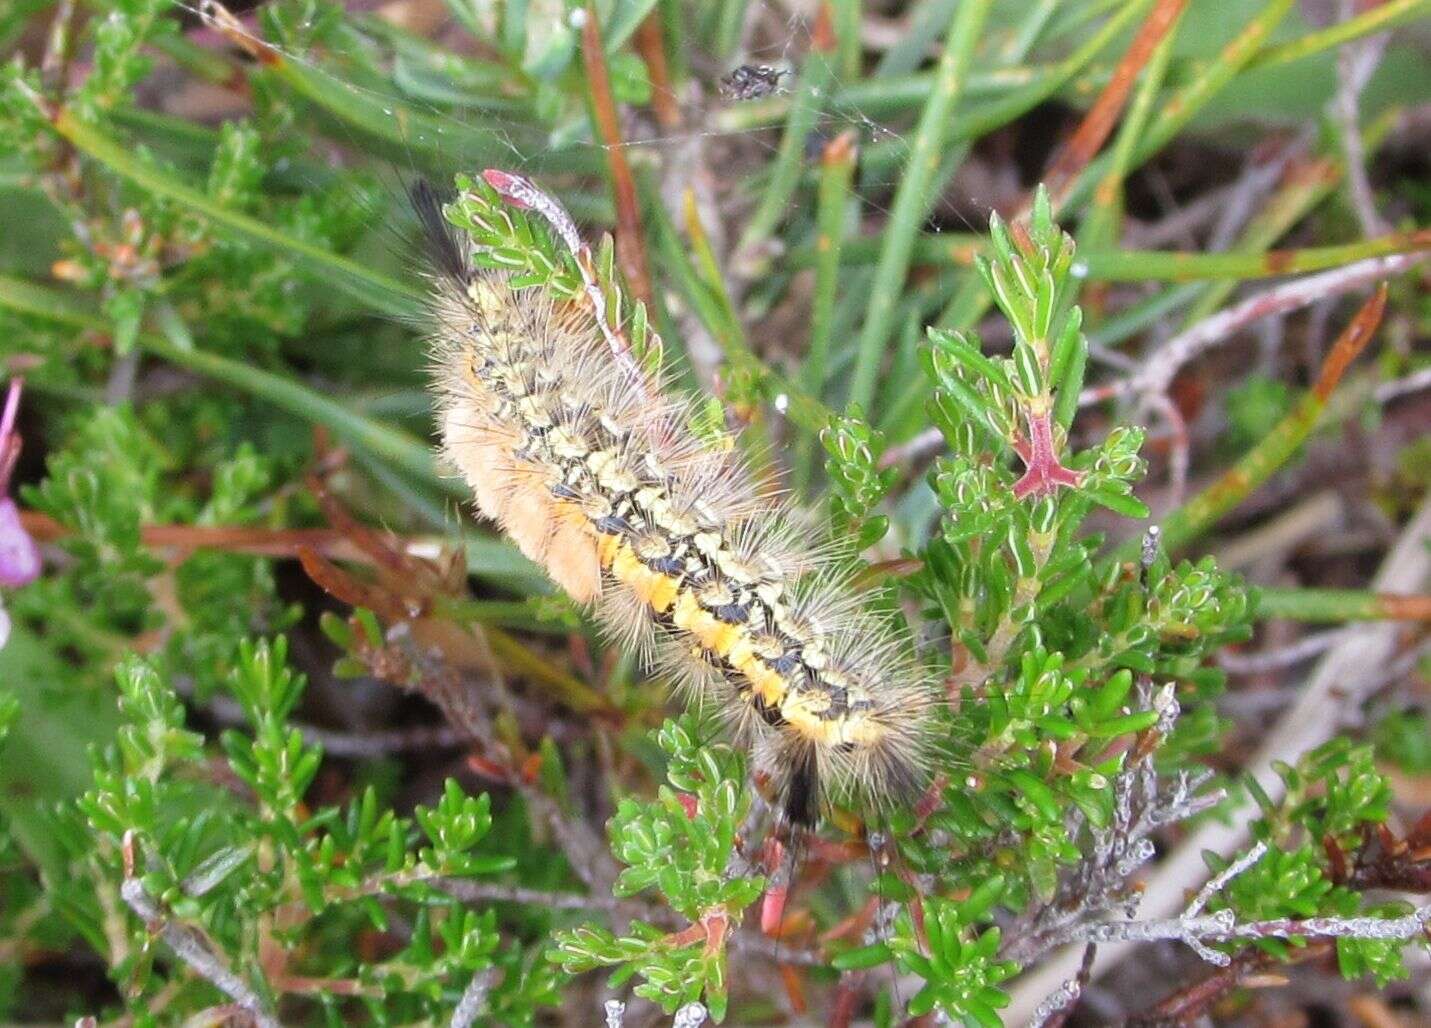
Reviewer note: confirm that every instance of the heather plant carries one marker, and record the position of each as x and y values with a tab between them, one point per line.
287	737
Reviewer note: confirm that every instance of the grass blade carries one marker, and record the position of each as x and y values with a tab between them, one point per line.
912	199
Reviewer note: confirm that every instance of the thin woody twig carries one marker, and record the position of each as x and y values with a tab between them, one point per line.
1053	1011
1281	658
1216	882
1397	388
1348	669
190	945
1197	932
453	695
1186	1003
418	738
1158	372
268	542
431	656
1182	223
473	891
764	946
523	194
1259	463
474	998
1292	527
1101	882
1355	65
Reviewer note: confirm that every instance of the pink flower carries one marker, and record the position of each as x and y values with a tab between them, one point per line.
19	556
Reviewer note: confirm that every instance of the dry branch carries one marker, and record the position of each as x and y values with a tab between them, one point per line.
1340	678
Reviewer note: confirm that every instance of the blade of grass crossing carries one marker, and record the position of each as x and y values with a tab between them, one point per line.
1204	510
1093	130
970	303
411	455
374	288
1100	228
1303	188
912	199
1022	39
847	37
1372	20
924	24
1180	108
837	168
707	268
729	27
811	91
1339	605
1232	266
980	119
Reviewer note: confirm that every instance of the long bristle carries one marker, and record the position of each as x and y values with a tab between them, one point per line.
722	588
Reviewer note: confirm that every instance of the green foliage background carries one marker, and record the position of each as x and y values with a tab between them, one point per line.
205	312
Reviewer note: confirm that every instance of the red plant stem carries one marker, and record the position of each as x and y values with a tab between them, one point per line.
267	542
630	242
1189	1002
1045	473
1404	608
847	1000
778	869
1101	117
651	44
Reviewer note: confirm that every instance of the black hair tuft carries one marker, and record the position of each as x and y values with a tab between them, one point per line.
445	249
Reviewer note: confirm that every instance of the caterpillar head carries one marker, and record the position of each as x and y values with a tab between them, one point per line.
858	736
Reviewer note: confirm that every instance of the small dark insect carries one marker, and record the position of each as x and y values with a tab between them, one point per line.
751	82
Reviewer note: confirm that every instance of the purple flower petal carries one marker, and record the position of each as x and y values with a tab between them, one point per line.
19	556
12	408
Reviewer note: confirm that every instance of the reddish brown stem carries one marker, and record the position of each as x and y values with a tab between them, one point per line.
630	242
1188	1003
794	983
1350	343
1395	607
651	45
1101	117
847	1001
266	542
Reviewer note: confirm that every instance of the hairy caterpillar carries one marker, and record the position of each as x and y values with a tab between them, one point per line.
591	466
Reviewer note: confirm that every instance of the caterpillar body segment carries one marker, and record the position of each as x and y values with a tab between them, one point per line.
593	470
